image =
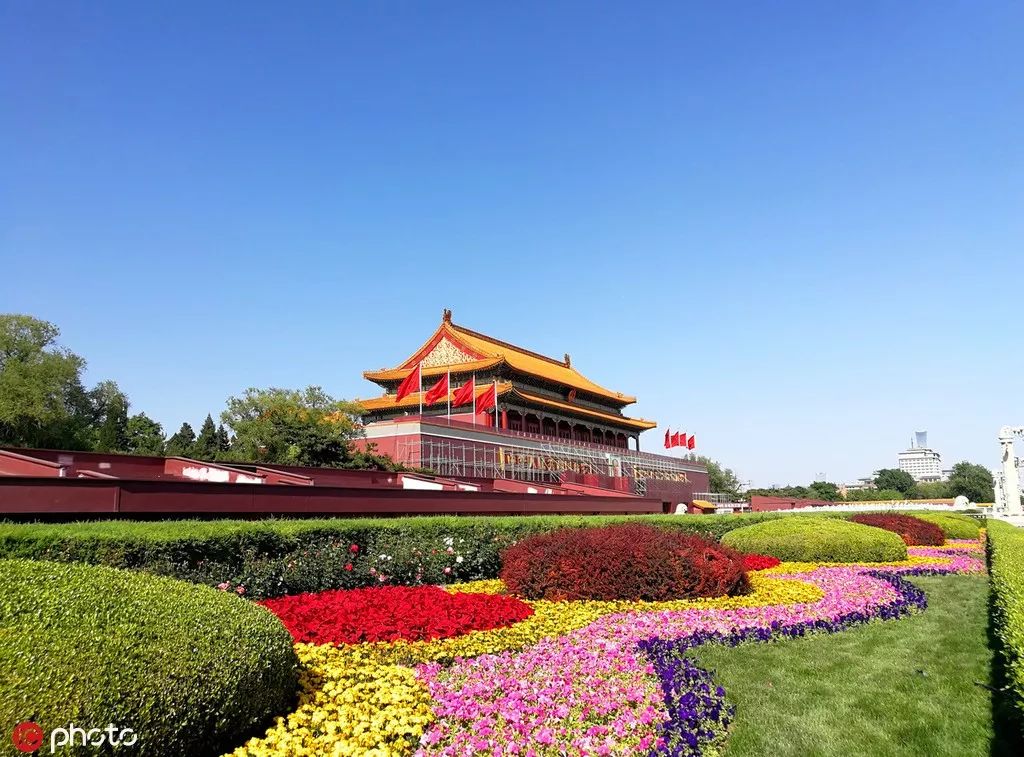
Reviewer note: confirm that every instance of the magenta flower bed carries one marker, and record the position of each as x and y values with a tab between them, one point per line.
594	691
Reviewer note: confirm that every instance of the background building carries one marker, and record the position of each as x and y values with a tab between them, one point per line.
921	462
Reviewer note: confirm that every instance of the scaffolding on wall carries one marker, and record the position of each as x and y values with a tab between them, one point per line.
541	464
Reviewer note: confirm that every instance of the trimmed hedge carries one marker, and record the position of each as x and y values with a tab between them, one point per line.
953	525
913	531
628	561
1006	568
803	538
190	670
273	557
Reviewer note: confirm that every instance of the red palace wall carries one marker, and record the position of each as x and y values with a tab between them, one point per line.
121	466
14	464
759	504
406	448
678	491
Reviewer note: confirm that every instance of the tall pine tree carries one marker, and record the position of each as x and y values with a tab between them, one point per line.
223	440
182	443
111	408
206	446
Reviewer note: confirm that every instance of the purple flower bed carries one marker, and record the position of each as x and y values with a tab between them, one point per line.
698	713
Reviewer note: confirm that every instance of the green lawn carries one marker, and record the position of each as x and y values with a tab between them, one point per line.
905	687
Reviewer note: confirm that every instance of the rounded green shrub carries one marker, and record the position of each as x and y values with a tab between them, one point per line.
953	525
190	670
811	539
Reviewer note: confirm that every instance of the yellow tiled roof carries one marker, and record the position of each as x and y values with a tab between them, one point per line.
387	402
637	423
489	351
534	364
396	374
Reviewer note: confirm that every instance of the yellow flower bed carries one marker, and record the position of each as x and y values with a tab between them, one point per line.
785	568
484	586
350	704
364	699
559	618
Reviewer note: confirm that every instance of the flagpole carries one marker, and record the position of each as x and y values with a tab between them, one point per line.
448	394
473	379
420	369
495	404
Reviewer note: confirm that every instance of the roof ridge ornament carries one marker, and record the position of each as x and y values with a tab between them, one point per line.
446	315
568	360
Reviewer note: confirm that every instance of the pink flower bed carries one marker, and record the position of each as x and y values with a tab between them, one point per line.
593	691
962	561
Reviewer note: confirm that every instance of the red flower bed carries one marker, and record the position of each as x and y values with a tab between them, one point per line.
759	562
621	562
389	613
913	531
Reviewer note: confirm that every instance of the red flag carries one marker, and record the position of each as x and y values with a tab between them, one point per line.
690	444
410	384
438	391
488	399
668	439
465	393
675	439
682	439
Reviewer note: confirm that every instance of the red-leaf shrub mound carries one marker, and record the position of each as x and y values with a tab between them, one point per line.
621	562
759	562
913	531
389	613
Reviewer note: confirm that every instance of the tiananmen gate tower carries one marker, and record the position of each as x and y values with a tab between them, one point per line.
549	425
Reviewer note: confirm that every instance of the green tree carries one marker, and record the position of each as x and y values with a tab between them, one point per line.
296	427
223	441
720	480
206	446
932	490
110	414
42	400
825	490
891	478
182	442
145	436
872	494
370	459
972	481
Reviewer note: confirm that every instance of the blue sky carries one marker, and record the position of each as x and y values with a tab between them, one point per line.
795	231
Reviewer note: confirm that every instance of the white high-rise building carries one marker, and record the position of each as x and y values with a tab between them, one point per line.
921	462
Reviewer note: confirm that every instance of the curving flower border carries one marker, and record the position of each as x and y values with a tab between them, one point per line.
394	698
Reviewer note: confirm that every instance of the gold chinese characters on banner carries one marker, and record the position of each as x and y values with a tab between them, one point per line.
510	460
